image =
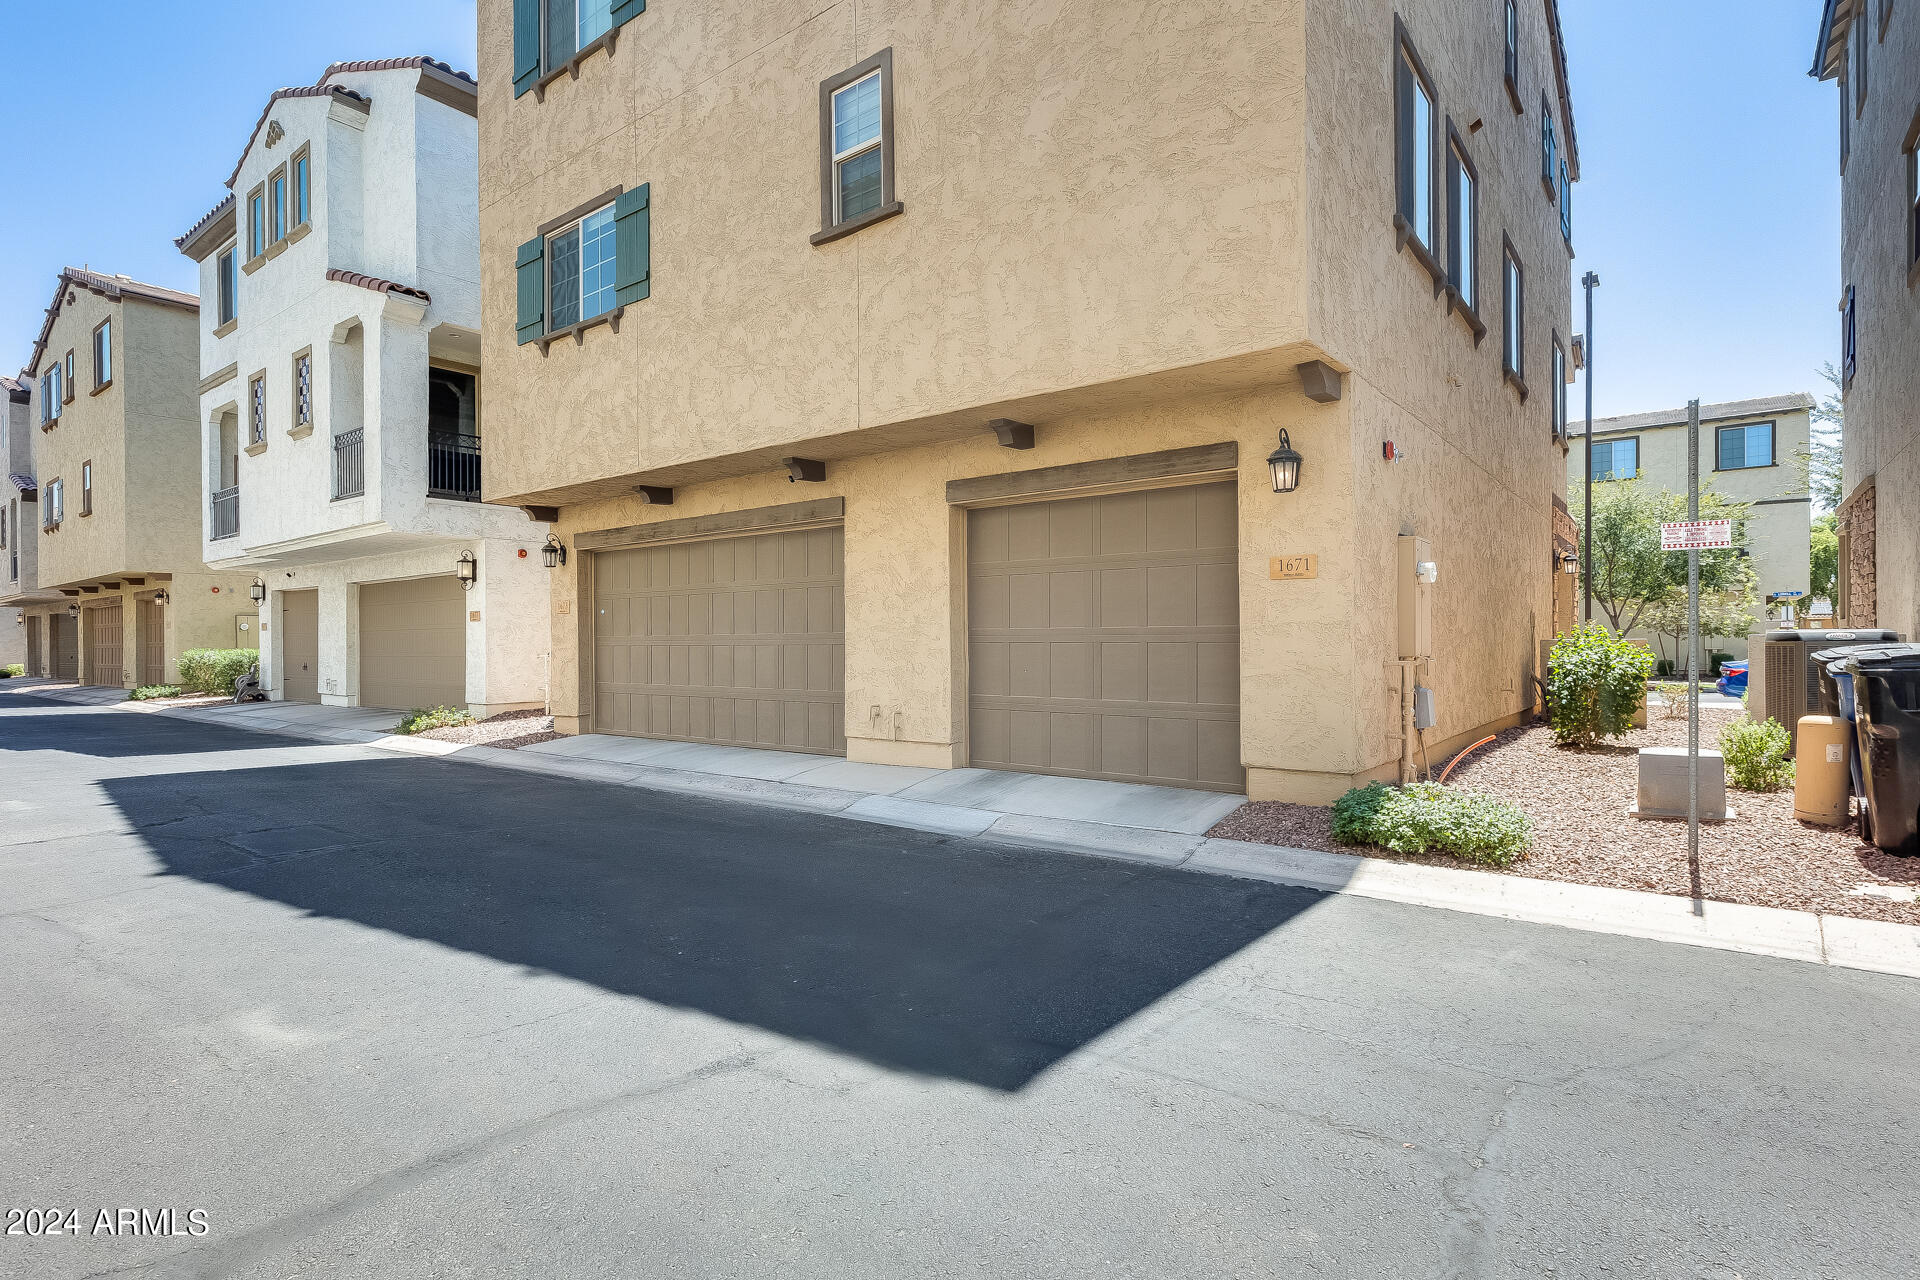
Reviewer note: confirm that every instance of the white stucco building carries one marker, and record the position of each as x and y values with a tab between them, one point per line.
340	402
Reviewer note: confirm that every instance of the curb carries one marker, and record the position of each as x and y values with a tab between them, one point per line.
1845	942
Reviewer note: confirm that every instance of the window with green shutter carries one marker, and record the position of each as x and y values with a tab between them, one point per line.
551	36
585	266
531	266
633	248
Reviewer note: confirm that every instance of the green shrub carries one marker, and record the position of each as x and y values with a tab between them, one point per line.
1756	754
1426	817
1595	683
215	670
148	692
1674	692
419	720
14	669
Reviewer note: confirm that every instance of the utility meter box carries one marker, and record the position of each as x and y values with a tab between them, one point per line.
1416	575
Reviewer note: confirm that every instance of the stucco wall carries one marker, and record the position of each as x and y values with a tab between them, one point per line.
140	435
1022	129
1779	523
1882	437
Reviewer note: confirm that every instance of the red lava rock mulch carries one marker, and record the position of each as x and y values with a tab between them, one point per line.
508	730
1578	803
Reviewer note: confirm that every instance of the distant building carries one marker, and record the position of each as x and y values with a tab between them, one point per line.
1872	48
1750	451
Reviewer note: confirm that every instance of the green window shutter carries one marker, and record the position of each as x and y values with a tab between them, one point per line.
624	10
531	265
632	245
526	45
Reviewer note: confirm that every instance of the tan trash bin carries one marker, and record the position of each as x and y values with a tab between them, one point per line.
1822	780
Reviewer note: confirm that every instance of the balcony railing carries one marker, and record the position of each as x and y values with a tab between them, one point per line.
226	513
453	467
349	464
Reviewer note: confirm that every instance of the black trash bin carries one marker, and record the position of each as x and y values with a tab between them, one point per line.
1886	693
1825	662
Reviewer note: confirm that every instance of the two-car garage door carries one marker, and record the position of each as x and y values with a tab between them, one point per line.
738	640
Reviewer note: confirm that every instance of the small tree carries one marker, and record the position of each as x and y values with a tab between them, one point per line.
1728	614
1823	558
1631	574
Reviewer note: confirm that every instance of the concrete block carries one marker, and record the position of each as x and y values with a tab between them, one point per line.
1663	785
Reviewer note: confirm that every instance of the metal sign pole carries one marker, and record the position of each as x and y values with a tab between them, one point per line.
1586	543
1693	642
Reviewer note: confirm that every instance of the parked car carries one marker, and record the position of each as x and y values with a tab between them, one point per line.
1733	679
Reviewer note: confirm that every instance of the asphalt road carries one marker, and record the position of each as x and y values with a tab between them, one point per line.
379	1016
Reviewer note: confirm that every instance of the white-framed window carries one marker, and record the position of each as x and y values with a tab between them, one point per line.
52	394
227	284
1616	459
858	157
571	25
1741	447
86	488
1559	389
53	504
581	269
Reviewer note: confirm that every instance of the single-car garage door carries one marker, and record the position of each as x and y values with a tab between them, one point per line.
1104	637
413	643
104	663
733	640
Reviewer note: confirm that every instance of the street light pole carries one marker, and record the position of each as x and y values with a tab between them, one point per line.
1590	280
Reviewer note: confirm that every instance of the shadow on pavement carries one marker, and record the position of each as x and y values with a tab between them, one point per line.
951	958
43	725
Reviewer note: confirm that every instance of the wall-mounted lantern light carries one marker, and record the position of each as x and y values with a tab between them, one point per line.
1284	462
1569	563
73	611
468	570
553	553
161	596
258	591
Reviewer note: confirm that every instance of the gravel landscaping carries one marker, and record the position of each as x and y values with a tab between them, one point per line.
1578	801
507	730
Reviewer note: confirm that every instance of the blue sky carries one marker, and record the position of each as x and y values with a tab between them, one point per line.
1710	205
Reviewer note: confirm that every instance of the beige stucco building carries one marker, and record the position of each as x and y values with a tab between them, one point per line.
111	383
342	406
1751	451
1872	48
940	436
19	530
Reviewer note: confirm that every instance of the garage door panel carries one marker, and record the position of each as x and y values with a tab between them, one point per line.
1104	637
413	643
738	641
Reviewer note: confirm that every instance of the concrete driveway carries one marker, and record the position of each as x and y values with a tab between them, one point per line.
381	1016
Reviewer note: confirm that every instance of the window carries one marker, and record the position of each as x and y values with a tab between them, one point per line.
277	201
1616	459
1737	448
256	223
228	285
51	396
856	148
1513	53
1558	391
1566	203
1549	149
66	379
1415	128
1513	301
551	36
53	503
302	186
103	354
584	266
1849	340
1860	39
1463	224
257	409
580	267
303	390
86	488
1913	198
571	25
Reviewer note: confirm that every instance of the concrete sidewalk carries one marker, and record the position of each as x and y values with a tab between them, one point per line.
1165	826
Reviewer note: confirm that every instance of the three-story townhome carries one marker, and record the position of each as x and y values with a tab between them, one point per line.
19	535
1872	49
1145	392
111	406
341	401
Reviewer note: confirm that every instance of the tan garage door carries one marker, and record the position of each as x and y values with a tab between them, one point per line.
64	630
413	644
104	665
300	646
151	666
736	640
1104	638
